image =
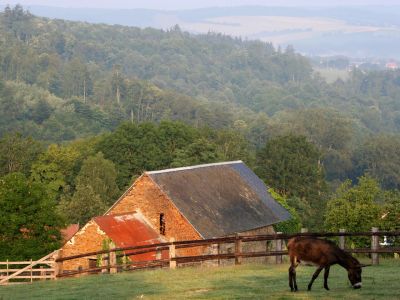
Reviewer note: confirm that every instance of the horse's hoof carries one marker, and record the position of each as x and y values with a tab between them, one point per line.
326	288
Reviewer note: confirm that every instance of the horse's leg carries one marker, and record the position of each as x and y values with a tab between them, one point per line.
314	277
292	274
294	279
291	278
326	275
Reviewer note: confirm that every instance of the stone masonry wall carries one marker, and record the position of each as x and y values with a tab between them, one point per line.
250	247
146	197
89	238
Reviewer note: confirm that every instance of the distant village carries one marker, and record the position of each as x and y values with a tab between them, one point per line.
347	63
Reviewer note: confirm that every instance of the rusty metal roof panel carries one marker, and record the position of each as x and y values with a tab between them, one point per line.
129	229
220	199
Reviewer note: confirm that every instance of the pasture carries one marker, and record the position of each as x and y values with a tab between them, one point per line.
331	75
233	282
277	29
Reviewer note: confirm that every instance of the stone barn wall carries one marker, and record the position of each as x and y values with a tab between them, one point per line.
146	197
89	238
259	246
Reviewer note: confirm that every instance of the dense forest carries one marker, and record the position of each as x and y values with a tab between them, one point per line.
85	109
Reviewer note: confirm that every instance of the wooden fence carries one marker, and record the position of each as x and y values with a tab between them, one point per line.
28	271
108	258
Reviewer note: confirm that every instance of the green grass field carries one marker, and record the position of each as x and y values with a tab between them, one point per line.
331	75
240	282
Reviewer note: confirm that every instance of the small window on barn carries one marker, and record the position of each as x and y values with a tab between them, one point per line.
162	224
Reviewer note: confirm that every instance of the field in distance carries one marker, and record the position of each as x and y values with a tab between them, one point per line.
277	29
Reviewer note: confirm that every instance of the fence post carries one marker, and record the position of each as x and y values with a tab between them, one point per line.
7	268
238	250
31	272
375	246
219	252
112	259
104	262
214	251
278	247
342	244
158	254
172	254
58	265
42	273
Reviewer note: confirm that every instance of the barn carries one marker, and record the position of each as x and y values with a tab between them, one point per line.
190	203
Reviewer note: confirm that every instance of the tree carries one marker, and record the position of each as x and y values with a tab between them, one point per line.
100	174
379	157
290	226
137	148
55	169
354	208
133	149
232	145
83	205
29	224
390	213
18	21
17	153
291	165
96	189
200	151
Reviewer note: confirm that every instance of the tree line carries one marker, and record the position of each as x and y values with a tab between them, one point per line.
45	187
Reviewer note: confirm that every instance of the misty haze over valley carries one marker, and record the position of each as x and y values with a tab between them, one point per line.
360	29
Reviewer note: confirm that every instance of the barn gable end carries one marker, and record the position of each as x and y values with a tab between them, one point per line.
146	197
88	239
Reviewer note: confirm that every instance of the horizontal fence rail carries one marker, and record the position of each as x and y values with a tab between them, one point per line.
28	271
207	242
235	243
169	254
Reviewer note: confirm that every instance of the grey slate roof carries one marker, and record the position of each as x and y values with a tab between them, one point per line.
220	199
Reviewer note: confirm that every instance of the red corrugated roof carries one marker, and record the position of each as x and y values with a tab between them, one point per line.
130	229
69	232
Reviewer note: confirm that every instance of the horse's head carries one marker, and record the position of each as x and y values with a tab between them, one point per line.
354	274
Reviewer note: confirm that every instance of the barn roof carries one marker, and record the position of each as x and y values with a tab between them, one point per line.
129	229
220	199
69	232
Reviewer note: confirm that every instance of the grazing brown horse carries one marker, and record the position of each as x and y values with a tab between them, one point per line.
323	254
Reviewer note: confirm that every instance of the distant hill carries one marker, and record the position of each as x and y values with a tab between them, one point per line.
369	31
70	79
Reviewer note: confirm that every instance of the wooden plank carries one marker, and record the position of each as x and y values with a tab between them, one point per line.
278	248
45	262
33	277
238	250
72	273
374	246
143	251
34	270
172	254
27	267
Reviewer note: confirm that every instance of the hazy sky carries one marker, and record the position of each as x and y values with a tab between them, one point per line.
188	4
